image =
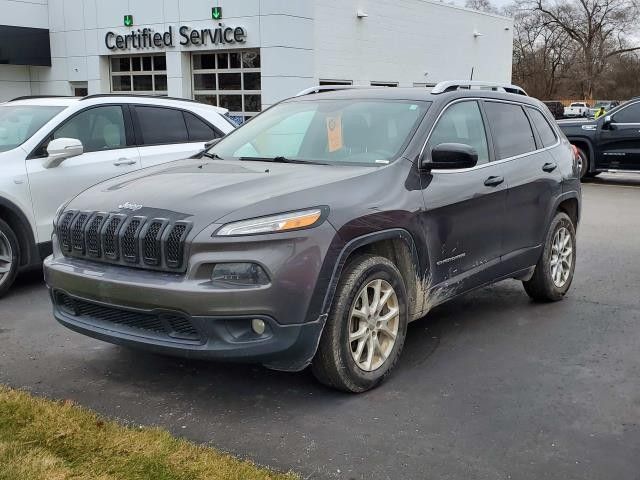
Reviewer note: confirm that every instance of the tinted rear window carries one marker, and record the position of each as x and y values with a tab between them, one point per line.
199	131
511	130
161	125
545	131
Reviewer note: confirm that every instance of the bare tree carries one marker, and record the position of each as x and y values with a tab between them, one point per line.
481	6
541	52
599	28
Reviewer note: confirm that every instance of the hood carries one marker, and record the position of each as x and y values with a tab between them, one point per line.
204	191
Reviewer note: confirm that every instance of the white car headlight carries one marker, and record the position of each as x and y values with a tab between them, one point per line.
274	223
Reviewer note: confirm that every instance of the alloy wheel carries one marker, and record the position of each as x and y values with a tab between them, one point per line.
561	257
373	325
6	258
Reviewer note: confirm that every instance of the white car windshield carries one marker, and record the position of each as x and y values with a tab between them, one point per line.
326	131
19	122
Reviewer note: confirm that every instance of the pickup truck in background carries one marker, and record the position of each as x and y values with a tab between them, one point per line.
610	143
577	109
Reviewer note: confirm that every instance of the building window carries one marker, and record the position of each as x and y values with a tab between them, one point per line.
384	84
143	74
335	82
230	80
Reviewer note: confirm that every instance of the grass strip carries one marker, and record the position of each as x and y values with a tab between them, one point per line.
58	440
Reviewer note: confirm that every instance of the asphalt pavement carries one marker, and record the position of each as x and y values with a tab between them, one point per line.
490	386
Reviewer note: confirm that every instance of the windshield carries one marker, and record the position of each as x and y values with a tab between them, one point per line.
19	122
369	132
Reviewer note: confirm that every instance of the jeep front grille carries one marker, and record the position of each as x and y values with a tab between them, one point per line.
154	243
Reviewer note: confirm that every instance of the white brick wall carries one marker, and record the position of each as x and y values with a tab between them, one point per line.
402	40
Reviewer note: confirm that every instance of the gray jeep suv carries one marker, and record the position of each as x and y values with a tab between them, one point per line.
315	233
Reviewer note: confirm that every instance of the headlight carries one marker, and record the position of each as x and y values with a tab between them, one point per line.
273	223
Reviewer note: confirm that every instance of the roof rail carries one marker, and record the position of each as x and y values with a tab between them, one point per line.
332	88
159	97
451	85
33	97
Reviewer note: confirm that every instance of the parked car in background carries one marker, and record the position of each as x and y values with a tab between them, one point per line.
577	109
52	148
612	142
556	109
607	105
316	232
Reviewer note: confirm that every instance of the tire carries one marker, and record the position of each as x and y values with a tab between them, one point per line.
584	163
543	286
335	362
9	257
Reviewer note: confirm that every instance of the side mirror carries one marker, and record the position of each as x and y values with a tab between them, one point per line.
606	123
60	149
450	156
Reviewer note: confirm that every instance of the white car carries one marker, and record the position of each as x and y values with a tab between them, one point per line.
577	109
52	148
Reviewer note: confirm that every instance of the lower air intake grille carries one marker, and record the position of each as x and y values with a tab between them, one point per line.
164	325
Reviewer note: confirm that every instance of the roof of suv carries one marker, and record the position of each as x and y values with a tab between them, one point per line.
109	98
416	94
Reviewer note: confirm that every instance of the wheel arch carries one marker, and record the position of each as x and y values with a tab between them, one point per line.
396	245
17	220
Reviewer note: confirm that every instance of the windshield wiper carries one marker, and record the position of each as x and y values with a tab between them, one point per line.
280	160
212	156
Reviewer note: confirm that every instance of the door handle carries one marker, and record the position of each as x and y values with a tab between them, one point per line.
549	167
124	161
493	181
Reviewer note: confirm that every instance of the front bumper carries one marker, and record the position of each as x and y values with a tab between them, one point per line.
281	347
186	315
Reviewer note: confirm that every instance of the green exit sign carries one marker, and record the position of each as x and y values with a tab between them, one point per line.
128	20
216	13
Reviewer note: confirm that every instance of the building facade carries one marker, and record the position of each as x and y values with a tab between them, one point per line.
243	55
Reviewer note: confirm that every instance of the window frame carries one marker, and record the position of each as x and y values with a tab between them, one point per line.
334	82
490	137
376	83
536	133
217	92
623	107
137	128
483	117
217	133
128	126
133	73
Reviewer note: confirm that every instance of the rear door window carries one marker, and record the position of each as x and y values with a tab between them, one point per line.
157	126
199	131
546	133
462	123
512	134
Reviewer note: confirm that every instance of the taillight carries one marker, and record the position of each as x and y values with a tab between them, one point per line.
576	155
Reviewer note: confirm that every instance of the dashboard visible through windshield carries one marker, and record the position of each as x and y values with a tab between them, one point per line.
326	131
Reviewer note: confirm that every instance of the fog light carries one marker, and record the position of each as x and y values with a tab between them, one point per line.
239	274
258	326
